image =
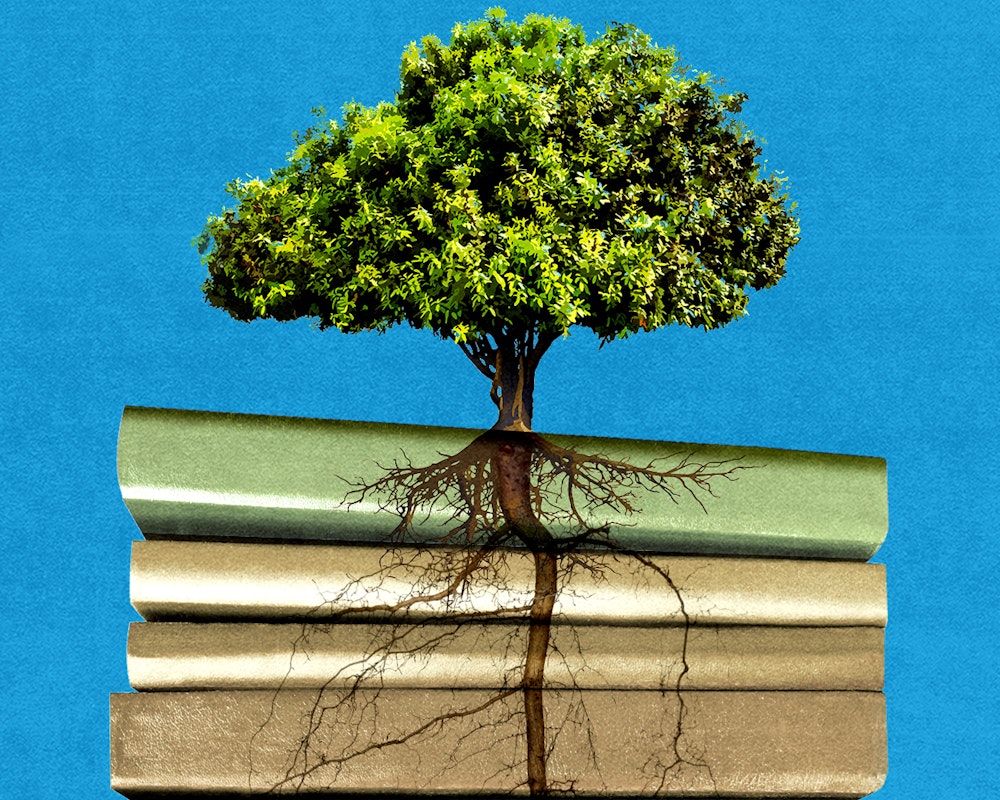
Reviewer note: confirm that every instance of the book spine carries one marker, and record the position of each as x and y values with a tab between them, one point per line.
726	744
210	475
178	580
178	656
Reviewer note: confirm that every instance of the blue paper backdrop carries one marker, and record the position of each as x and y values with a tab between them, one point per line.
120	124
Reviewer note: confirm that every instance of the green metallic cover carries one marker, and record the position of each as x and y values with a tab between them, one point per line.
197	474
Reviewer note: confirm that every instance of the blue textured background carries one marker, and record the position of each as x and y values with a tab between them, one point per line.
121	122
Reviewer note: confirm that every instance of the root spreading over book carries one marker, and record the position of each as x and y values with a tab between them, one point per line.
321	622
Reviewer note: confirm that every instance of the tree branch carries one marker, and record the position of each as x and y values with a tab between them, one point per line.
541	344
481	354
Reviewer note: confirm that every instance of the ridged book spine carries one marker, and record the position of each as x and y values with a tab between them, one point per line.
235	476
179	656
721	744
184	580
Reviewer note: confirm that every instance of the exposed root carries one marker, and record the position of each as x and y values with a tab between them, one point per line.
569	490
491	509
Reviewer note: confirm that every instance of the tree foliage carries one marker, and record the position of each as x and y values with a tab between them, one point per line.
524	181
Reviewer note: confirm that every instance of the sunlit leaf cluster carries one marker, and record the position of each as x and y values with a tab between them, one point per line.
524	179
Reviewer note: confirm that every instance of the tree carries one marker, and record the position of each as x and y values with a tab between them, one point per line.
523	182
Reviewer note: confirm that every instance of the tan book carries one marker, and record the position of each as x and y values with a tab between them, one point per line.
180	656
718	744
172	580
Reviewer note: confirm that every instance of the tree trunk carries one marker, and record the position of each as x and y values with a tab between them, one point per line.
534	668
513	389
512	471
510	361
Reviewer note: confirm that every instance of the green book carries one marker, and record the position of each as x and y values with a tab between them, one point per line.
195	474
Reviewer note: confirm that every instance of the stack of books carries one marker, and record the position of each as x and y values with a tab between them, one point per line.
316	623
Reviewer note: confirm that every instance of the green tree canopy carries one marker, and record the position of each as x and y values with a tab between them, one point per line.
524	181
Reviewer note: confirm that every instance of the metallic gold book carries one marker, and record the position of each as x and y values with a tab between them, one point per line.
178	580
599	743
182	656
226	476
